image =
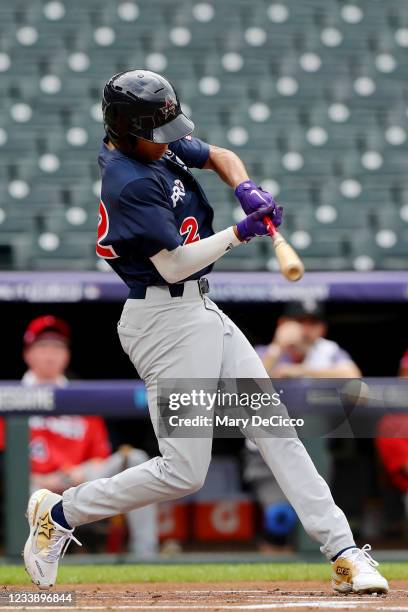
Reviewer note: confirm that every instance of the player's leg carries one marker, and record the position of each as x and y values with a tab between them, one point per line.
183	340
166	338
287	458
299	480
143	522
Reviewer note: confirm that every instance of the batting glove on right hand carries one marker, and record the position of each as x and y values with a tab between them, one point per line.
253	224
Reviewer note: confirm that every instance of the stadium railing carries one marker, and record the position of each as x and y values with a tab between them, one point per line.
243	287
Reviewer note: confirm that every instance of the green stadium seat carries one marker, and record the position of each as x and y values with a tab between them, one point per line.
18	224
78	248
326	264
247	257
311	95
386	247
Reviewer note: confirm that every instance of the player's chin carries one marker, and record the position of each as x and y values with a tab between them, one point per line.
150	151
153	156
160	155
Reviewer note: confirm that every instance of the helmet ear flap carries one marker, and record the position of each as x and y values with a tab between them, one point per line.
128	144
117	127
125	144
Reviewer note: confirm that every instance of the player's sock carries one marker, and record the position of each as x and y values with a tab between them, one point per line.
341	552
57	515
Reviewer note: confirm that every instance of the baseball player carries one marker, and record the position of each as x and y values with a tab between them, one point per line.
155	230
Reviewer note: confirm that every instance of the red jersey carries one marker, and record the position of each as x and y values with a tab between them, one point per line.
2	434
58	442
404	361
394	451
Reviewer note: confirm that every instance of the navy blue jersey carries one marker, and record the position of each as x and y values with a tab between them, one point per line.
147	207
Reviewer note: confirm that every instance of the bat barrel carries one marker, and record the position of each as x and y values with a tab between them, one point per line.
294	272
289	262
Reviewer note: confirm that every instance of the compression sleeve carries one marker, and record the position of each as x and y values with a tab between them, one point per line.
188	259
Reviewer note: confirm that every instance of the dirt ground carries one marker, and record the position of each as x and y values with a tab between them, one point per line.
217	597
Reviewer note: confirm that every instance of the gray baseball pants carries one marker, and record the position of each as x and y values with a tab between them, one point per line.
190	337
142	523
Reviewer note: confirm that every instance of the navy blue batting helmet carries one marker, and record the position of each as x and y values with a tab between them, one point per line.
142	104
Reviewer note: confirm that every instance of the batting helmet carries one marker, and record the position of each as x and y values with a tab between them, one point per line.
140	103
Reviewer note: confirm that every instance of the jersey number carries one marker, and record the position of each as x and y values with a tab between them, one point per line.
190	227
107	252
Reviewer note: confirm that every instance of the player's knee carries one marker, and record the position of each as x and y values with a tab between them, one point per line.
195	483
188	479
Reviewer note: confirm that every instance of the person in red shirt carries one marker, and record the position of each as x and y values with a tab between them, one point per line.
393	451
60	445
68	450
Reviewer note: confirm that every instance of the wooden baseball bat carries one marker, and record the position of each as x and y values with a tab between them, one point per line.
289	262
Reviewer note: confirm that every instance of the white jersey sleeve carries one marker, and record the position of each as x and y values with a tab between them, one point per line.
188	259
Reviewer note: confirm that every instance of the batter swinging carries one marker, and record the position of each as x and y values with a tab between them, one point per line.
155	230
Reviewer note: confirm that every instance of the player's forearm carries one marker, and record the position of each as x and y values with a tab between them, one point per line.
346	370
229	167
271	358
188	259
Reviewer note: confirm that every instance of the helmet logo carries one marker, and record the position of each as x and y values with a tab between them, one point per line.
169	108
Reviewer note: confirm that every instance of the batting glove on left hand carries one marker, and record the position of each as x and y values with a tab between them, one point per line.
253	224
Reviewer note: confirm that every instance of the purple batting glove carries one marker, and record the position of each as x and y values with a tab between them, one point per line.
253	224
252	197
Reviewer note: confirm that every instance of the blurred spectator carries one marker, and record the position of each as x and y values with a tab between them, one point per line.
403	372
298	350
393	451
68	450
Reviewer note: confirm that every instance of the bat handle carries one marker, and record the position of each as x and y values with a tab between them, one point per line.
269	226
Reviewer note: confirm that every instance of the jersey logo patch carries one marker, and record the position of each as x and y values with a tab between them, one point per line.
107	252
178	192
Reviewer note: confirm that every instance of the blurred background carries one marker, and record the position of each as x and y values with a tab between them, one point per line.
313	95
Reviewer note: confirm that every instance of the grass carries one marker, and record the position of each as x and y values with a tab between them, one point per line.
103	574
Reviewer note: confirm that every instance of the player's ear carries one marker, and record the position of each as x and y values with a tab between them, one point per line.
127	145
321	328
67	360
26	356
133	143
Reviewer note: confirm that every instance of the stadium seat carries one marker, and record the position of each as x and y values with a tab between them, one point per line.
311	95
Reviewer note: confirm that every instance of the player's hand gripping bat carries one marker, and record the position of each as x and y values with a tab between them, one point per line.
289	262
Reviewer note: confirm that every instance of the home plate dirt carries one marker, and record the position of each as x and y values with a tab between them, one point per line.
220	596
